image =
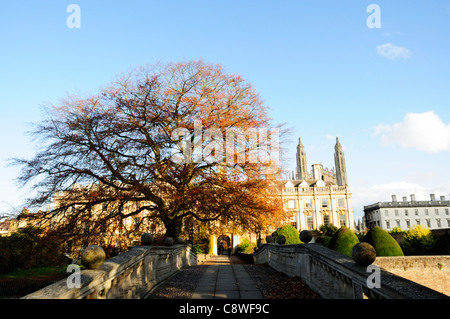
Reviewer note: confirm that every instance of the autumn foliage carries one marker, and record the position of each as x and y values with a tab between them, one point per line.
148	147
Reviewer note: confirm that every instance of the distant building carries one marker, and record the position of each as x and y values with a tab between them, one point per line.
319	197
4	227
24	219
431	214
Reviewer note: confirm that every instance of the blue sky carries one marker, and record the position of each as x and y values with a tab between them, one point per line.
385	92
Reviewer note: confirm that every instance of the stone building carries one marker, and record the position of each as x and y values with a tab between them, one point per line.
320	196
404	214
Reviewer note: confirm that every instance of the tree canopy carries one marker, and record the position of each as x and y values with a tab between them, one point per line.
176	141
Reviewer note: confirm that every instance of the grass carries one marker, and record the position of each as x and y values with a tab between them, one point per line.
35	272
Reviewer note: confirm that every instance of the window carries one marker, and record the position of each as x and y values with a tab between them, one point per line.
438	222
308	203
341	202
291	203
416	211
436	211
386	213
426	211
294	221
396	212
326	220
309	222
397	222
418	221
408	224
446	211
324	202
448	222
406	212
388	224
342	220
428	223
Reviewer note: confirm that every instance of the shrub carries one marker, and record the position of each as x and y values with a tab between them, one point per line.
329	230
323	240
343	241
246	246
288	231
418	241
443	244
26	248
197	248
384	244
396	230
360	236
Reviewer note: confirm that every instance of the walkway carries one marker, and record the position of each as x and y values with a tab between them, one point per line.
223	279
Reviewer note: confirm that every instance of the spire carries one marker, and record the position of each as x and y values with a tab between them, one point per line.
302	167
339	160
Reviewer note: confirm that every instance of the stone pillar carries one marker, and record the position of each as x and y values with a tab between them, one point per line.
212	245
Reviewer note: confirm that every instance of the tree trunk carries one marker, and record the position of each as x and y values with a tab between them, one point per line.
174	227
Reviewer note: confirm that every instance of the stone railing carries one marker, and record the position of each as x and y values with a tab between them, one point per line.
336	276
130	275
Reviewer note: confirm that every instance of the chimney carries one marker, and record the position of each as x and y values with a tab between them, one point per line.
413	197
442	197
405	198
394	198
433	198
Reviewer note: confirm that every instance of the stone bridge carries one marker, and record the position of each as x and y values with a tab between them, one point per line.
133	274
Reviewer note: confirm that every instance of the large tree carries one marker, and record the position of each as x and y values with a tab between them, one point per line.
159	137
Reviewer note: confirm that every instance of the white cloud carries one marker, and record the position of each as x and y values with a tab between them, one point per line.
390	51
423	131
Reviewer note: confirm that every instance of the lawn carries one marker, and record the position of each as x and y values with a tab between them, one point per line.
35	272
16	284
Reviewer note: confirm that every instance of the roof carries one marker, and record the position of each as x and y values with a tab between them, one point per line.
405	204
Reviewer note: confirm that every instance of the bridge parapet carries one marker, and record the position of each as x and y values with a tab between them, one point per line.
130	275
335	276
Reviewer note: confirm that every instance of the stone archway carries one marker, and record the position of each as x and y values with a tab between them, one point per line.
225	242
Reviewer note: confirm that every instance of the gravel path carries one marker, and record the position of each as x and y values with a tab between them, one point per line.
276	285
273	285
179	286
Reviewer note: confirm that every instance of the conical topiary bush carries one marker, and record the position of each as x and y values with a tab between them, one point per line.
384	244
343	241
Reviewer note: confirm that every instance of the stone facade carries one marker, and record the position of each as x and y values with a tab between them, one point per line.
432	214
319	197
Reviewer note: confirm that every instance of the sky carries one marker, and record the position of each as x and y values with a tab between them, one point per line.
376	74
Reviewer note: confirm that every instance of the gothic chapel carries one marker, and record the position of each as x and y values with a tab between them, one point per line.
320	196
